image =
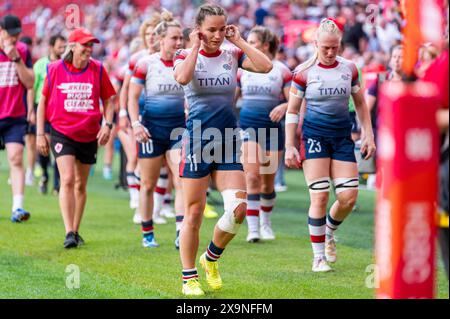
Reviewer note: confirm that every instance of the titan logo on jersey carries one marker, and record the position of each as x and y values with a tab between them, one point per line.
332	91
169	87
219	81
256	89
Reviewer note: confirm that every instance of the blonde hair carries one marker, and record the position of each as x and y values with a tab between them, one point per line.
326	26
152	22
135	45
166	21
68	54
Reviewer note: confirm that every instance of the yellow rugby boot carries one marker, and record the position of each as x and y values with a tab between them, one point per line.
192	287
209	212
212	272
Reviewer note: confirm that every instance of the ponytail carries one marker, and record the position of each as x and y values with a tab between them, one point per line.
166	21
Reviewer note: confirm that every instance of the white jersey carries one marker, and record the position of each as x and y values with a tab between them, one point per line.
211	92
264	90
164	97
327	90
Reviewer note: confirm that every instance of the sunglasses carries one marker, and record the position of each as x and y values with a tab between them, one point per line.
88	45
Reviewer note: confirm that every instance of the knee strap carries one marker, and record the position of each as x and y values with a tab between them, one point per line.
232	198
344	184
320	185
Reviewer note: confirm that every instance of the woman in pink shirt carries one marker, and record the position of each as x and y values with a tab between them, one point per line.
70	102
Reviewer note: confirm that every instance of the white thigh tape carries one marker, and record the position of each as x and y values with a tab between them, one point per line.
320	185
343	184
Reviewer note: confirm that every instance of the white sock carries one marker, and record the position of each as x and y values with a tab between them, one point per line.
179	222
160	191
253	212
267	203
17	202
317	230
253	224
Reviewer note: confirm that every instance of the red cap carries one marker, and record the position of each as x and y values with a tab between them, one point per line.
337	23
82	36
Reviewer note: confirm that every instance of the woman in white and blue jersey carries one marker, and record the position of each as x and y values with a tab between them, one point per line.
148	47
210	147
162	117
260	119
326	82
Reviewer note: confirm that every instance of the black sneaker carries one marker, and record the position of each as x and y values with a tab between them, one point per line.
70	241
43	189
79	239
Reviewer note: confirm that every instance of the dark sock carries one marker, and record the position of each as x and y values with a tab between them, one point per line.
213	252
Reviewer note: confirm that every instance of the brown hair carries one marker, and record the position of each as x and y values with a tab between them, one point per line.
265	35
209	9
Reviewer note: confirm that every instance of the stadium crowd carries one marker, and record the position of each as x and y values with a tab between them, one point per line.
370	30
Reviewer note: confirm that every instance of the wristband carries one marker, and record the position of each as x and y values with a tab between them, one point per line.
136	124
123	113
292	118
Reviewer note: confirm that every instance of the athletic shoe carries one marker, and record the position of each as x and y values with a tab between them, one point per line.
71	240
79	239
192	287
279	188
167	211
267	232
330	249
134	199
149	242
212	272
107	173
29	178
43	189
253	237
320	265
209	212
158	219
137	219
19	215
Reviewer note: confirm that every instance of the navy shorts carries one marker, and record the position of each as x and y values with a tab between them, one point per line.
269	138
13	130
258	127
31	129
336	148
161	140
200	158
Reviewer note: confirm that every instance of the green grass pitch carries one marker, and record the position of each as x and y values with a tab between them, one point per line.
113	264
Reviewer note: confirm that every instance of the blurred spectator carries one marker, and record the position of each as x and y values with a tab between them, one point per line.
260	14
354	34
